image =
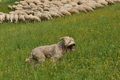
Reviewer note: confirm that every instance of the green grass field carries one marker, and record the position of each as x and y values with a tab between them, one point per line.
96	55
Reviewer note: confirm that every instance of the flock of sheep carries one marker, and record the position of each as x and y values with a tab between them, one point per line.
38	10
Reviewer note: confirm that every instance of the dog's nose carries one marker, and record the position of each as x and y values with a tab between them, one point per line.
73	45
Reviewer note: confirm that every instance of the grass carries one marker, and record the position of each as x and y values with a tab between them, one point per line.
97	55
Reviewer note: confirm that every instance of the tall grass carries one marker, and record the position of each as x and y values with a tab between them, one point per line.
97	55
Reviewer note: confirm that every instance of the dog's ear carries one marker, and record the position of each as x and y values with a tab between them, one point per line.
62	38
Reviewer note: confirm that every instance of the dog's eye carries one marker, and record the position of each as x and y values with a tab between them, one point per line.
69	42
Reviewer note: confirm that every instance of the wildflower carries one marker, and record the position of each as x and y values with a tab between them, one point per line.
116	63
111	61
102	57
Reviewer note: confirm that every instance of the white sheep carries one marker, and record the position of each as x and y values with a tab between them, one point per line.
27	7
97	5
32	17
103	2
36	18
110	1
90	4
10	7
73	3
58	3
80	8
88	8
54	14
73	10
46	16
16	3
21	17
2	17
27	17
38	14
15	18
8	17
64	12
11	17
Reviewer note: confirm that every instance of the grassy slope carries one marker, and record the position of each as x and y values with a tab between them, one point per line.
97	54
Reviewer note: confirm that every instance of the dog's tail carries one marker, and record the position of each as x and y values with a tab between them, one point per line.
30	59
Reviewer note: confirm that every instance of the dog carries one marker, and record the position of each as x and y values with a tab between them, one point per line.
53	52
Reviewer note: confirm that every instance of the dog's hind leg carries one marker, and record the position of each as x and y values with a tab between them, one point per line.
40	60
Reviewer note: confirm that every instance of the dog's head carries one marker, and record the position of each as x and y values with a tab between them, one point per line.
68	42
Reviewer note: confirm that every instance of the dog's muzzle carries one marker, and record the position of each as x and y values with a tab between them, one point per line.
71	47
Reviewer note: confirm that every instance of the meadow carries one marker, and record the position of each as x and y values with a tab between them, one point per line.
96	55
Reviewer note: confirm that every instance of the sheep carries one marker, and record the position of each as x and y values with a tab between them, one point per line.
97	5
32	4
64	12
91	5
73	10
52	9
46	1
73	3
27	7
21	17
34	9
20	12
110	1
30	12
29	1
35	18
16	18
37	2
32	18
80	8
18	8
11	17
16	3
38	14
81	1
27	17
2	17
24	4
7	17
68	6
88	8
46	16
10	7
64	1
103	2
58	3
54	14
